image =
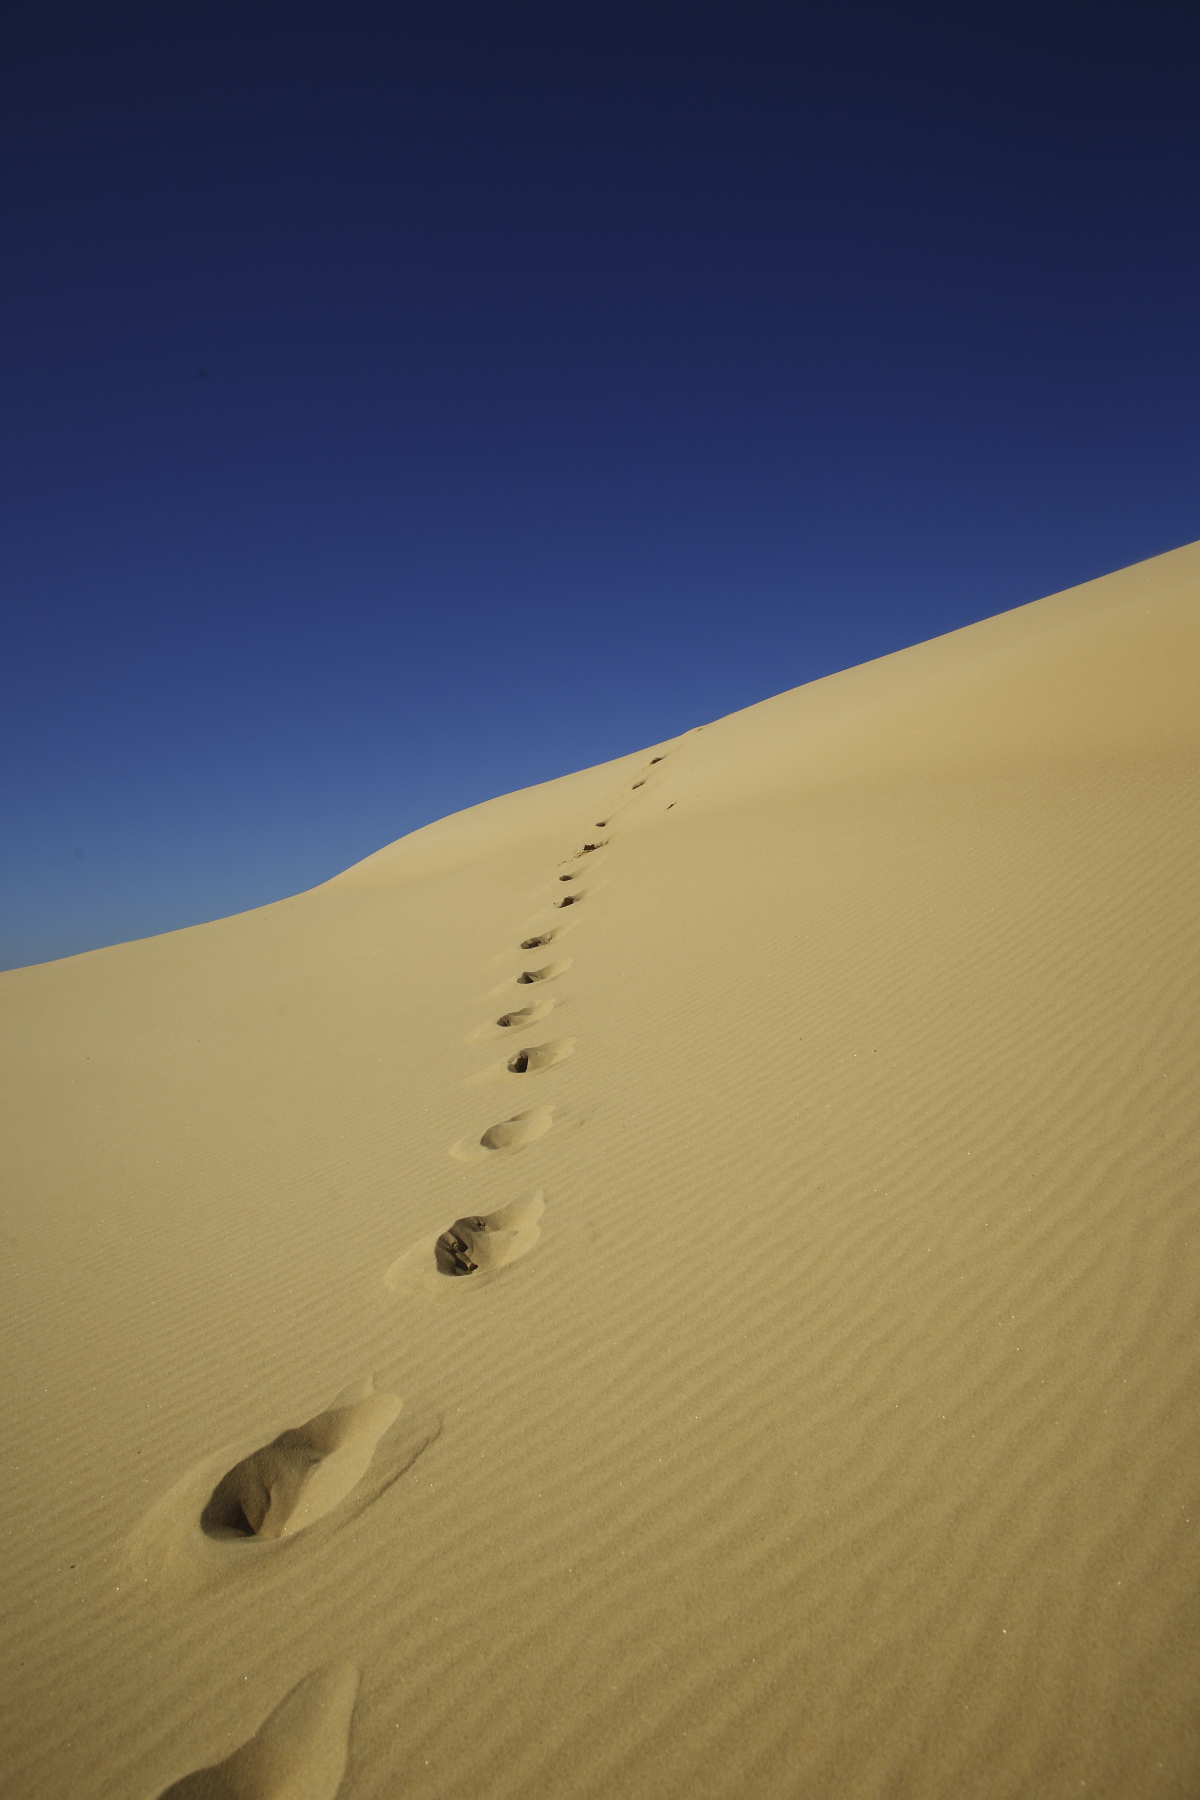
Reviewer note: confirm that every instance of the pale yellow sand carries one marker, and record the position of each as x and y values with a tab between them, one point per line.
833	1429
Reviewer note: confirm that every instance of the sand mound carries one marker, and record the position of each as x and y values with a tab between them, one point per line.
799	1357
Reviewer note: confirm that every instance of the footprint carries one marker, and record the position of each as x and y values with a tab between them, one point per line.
522	1128
518	1016
588	849
544	937
542	1056
299	1751
524	1015
529	977
530	1060
549	972
573	899
172	1550
303	1473
470	1253
510	1134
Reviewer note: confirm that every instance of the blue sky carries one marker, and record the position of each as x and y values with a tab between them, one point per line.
407	404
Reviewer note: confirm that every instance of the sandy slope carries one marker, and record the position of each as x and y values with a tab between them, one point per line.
832	1431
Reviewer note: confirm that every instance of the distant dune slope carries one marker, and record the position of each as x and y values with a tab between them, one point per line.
686	1277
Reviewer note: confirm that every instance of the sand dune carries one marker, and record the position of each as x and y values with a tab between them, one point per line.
742	1200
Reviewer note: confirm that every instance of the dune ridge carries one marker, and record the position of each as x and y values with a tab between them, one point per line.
834	1430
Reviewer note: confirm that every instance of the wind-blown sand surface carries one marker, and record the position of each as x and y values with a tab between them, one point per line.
815	1413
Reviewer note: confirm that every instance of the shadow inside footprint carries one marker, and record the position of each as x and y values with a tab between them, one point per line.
533	1059
489	1241
299	1751
530	1059
303	1473
548	972
523	1015
470	1253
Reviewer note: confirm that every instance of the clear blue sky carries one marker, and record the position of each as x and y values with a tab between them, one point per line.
408	403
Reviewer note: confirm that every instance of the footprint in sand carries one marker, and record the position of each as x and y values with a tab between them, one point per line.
303	1473
543	937
548	972
470	1253
620	805
514	1019
530	977
299	1752
573	899
233	1515
509	1135
531	1059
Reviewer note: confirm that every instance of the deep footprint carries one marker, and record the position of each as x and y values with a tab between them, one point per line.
541	1056
488	1241
303	1473
299	1751
470	1253
549	972
524	1015
530	1059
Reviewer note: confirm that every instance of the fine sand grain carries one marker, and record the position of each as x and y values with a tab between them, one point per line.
683	1281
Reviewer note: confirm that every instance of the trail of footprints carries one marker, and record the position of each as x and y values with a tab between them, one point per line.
345	1456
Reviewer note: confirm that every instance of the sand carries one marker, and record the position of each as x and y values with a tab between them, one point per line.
769	1364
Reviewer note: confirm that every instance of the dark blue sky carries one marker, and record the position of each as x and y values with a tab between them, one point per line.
404	404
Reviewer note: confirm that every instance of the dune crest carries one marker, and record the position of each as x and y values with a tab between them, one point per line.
807	1404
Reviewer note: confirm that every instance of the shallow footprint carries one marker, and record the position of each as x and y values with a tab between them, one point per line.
471	1252
508	1135
303	1473
299	1751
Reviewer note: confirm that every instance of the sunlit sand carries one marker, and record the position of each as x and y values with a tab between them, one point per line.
682	1281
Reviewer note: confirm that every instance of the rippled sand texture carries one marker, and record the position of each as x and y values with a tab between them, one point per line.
742	1201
